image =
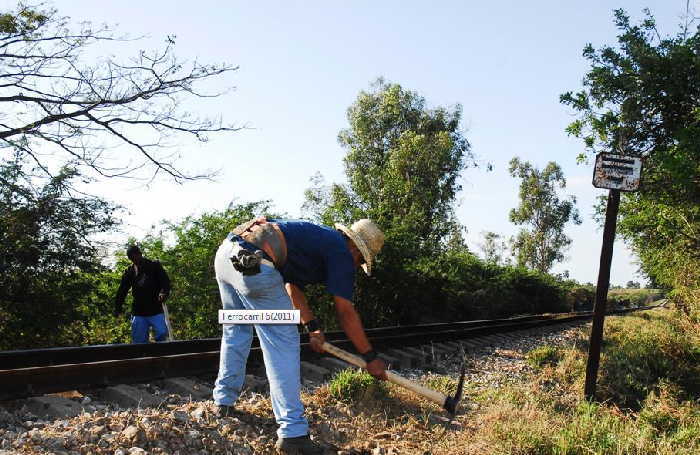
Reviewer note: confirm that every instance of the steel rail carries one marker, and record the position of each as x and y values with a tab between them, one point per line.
23	382
26	358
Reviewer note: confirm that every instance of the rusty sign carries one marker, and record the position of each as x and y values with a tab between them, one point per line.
617	172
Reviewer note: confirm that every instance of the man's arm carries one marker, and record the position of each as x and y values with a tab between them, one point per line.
316	338
299	301
121	292
352	326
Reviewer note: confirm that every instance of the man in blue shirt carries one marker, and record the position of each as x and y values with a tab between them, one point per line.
265	265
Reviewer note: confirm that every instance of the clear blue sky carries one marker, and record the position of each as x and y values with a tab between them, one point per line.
303	63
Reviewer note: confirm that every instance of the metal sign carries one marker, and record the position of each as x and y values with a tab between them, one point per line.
617	172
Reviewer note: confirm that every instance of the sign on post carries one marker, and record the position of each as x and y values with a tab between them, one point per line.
616	173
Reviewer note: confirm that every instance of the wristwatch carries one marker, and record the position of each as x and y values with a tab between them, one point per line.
370	355
313	325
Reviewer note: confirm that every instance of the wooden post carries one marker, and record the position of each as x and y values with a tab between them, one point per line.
601	294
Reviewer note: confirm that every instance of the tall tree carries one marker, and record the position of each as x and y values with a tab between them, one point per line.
642	98
55	103
541	209
402	164
47	255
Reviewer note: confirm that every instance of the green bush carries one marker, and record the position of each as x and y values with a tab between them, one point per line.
352	385
542	356
643	353
459	286
647	390
444	384
634	297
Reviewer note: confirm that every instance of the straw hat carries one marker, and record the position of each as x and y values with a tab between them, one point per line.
367	237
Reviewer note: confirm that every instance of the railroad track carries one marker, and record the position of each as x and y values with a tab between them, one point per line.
112	368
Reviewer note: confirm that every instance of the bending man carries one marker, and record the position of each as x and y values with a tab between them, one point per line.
265	265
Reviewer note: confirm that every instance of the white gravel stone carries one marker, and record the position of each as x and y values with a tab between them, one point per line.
197	413
130	432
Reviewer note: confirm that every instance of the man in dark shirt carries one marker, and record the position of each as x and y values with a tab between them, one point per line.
290	255
150	287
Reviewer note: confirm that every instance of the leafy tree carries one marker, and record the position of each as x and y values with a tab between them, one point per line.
494	248
47	256
402	164
640	98
544	243
54	103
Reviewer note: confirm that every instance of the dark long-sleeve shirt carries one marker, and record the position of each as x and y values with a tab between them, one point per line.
146	282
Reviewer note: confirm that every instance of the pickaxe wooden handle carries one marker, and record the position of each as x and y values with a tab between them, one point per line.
447	402
166	316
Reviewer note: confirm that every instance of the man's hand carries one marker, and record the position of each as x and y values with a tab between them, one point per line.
162	297
377	368
316	340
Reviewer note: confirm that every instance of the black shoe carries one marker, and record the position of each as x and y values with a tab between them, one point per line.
225	411
301	445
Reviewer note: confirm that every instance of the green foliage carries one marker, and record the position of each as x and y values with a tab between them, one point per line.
640	99
665	418
494	249
459	286
544	243
643	353
581	298
354	385
634	297
443	384
24	22
402	164
543	355
529	424
187	248
48	263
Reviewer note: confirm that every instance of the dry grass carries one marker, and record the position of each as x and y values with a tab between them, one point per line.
545	413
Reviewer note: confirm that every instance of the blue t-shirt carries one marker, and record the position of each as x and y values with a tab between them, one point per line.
317	254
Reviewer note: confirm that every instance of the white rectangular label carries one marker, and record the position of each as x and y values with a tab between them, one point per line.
228	317
617	172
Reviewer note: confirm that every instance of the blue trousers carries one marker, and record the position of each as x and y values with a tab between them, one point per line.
141	324
279	342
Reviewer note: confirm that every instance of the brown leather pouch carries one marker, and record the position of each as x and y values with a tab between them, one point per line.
266	236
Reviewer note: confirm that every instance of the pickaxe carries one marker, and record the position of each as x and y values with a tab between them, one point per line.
447	402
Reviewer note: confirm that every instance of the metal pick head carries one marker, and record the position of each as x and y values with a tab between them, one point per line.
451	403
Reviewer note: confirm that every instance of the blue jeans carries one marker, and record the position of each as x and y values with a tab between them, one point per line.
279	342
141	324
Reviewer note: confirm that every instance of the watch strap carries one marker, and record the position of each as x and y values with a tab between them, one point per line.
370	355
313	325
